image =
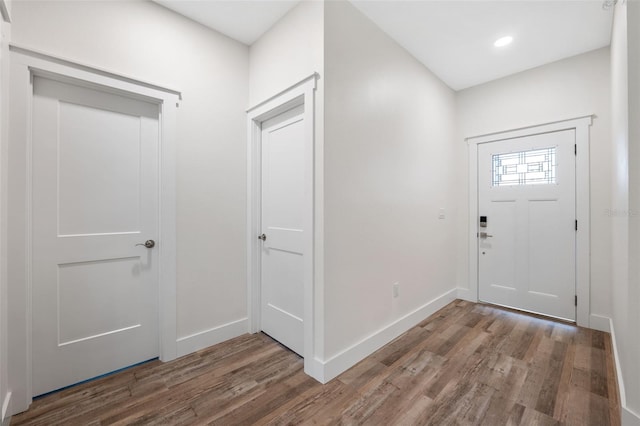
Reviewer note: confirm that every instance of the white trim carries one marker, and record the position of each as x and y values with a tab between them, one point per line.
4	11
6	405
35	53
616	357
600	323
286	95
466	294
583	248
213	336
24	66
629	417
301	93
346	359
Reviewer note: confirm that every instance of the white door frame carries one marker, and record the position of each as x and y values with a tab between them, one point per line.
583	249
25	64
302	93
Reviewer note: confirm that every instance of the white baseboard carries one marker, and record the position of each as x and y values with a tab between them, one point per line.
213	336
315	369
6	404
600	323
356	353
466	294
629	418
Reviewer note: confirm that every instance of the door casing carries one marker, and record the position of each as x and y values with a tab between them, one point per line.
301	93
581	126
25	64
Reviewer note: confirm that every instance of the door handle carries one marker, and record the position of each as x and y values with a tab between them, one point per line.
485	235
262	237
147	244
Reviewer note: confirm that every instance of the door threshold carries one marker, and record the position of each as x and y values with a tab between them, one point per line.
119	370
531	313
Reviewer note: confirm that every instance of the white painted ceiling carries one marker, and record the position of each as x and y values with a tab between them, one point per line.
453	38
242	20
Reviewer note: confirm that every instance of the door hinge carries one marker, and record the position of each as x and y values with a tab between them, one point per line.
576	224
575	148
575	301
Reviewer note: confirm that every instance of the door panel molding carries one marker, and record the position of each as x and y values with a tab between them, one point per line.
26	64
301	93
581	127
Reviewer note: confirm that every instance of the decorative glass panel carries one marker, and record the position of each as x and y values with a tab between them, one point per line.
524	168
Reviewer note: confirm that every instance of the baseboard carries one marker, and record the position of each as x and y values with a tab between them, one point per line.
629	418
315	369
213	336
356	353
466	294
600	323
6	404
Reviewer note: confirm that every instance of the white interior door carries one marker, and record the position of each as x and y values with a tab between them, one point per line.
283	194
527	251
95	196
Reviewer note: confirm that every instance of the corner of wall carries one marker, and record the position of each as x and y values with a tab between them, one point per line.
629	417
212	336
466	294
600	323
6	406
346	359
5	37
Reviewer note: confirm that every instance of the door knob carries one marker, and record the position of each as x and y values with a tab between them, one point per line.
262	237
147	244
485	235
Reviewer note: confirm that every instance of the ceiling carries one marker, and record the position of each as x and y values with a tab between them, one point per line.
242	20
453	38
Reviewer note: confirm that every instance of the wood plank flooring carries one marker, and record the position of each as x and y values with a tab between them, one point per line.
468	364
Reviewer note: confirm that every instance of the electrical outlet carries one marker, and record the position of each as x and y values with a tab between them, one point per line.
441	214
396	289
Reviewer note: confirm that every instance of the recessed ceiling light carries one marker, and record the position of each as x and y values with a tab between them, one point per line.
503	41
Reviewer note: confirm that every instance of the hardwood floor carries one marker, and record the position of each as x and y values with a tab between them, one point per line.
468	364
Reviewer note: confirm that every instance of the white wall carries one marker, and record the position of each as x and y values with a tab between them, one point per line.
146	41
625	87
632	337
5	37
389	167
290	51
569	88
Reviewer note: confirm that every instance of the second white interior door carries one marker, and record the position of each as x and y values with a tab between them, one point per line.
527	251
283	179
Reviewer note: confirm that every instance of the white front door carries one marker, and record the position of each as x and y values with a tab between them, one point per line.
95	197
526	197
283	195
